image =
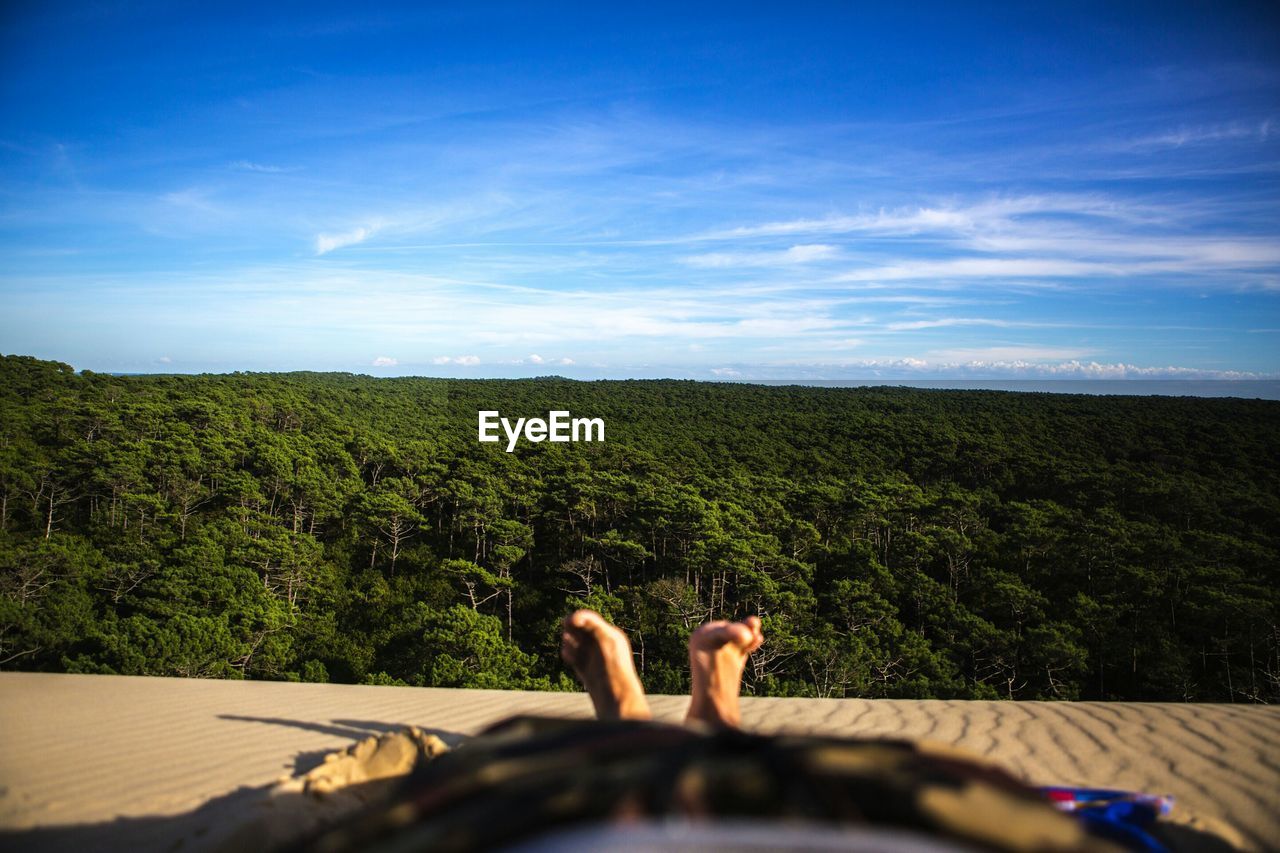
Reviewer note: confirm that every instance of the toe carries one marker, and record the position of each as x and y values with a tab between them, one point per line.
587	620
742	635
727	634
711	633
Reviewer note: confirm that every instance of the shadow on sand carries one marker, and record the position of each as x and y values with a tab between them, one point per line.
212	824
354	729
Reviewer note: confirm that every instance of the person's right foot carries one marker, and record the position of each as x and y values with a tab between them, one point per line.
600	655
717	655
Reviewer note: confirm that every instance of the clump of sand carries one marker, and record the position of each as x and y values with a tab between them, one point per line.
373	759
345	781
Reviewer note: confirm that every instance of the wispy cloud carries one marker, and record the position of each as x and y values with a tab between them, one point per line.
385	361
984	268
804	254
949	322
1020	237
265	168
955	217
328	242
1020	354
193	200
911	368
1199	135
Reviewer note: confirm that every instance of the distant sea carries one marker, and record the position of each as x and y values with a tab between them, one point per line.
1260	389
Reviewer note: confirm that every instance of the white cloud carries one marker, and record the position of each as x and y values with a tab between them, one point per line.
467	360
1018	353
947	322
385	361
194	201
1137	254
998	268
1094	370
1197	135
803	254
164	359
840	343
995	369
909	221
536	359
199	213
326	243
1018	237
725	371
566	361
810	252
247	166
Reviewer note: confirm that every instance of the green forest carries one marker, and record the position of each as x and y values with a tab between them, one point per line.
896	542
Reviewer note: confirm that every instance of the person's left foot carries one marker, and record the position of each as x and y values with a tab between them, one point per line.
600	655
718	653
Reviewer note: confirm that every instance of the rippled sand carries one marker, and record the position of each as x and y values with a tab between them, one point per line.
113	762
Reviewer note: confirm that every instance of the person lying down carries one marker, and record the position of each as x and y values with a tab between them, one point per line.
624	782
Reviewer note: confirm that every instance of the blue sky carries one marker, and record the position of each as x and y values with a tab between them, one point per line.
803	190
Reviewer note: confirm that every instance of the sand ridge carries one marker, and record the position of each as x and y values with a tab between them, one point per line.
118	762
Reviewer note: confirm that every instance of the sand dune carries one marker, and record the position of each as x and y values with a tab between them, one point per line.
113	762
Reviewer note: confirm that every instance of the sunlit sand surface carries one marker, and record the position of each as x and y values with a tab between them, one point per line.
112	762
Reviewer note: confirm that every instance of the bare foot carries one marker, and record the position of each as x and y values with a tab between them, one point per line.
717	654
601	657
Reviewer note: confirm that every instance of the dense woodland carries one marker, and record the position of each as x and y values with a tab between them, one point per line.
896	542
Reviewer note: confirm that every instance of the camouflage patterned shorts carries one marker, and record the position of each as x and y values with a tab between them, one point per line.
529	776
